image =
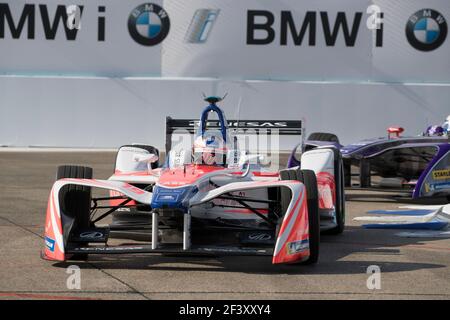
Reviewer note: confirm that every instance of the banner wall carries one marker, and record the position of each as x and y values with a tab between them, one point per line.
320	40
346	40
111	75
35	39
111	112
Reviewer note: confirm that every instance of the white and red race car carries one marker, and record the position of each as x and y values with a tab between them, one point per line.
208	198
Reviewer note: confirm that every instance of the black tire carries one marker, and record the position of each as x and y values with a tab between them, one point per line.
340	203
365	179
340	195
323	136
347	173
285	196
287	174
308	177
75	201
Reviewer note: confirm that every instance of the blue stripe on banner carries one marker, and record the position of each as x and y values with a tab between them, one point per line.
434	225
418	212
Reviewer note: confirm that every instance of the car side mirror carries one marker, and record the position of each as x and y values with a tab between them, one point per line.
146	158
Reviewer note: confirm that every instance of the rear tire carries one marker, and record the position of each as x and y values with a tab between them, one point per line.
75	200
323	136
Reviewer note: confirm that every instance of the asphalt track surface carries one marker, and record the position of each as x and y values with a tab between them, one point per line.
411	268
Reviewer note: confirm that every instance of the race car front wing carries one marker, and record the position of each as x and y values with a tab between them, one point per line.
292	242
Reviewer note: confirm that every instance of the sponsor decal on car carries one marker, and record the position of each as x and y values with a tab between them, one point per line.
441	174
248	124
50	244
108	249
91	235
259	236
297	246
439	186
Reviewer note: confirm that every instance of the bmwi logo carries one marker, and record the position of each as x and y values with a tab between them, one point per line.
201	25
426	30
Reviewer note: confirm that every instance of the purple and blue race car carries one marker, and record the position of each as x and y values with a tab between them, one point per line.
420	165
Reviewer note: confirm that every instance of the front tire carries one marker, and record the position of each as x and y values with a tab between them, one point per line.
340	196
75	201
308	177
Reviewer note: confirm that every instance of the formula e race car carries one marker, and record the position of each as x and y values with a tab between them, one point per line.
208	198
418	165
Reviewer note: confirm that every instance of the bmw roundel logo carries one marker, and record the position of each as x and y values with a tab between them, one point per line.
148	24
426	30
